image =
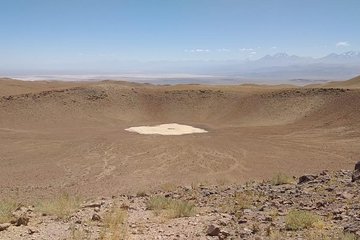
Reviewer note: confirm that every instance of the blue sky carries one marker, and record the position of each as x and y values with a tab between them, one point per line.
46	34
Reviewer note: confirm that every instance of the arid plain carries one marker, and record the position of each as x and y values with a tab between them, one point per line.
70	136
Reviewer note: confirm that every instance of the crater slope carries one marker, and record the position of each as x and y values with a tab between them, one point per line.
72	138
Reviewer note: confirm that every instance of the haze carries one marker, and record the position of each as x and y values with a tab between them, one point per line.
216	38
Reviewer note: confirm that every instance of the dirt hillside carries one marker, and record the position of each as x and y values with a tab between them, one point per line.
318	206
351	83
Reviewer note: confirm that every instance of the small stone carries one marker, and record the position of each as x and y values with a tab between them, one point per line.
338	211
306	178
347	195
187	188
247	230
224	222
324	173
4	226
213	230
224	234
320	204
92	205
96	217
355	176
357	166
247	211
352	227
262	208
32	231
268	219
22	220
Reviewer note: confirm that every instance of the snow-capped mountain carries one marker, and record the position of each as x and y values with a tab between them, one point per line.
342	58
284	66
350	54
280	56
286	59
282	59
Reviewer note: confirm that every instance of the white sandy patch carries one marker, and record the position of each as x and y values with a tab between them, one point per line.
166	129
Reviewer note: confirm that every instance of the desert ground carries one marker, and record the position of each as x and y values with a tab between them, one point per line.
246	162
70	136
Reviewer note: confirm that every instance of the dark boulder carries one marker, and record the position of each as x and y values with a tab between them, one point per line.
213	230
307	178
21	220
357	166
4	226
96	217
356	174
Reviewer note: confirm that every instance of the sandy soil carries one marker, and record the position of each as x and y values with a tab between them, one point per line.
72	138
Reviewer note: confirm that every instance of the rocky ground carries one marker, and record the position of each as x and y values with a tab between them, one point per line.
322	206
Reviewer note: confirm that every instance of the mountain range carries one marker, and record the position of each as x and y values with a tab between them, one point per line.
284	67
277	68
351	57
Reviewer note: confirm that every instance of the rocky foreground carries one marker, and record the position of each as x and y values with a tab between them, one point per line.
322	206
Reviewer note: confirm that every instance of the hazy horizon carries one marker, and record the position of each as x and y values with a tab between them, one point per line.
44	35
224	39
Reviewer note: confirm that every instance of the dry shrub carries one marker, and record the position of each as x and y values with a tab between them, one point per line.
168	187
298	220
141	194
114	225
173	208
280	179
157	203
347	236
78	234
61	206
237	203
7	207
244	200
276	235
178	209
